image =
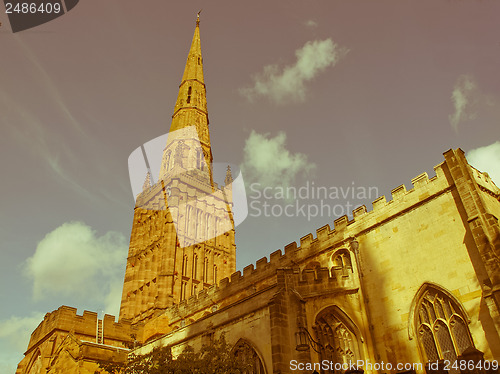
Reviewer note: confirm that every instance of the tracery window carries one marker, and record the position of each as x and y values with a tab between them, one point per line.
243	350
340	344
441	327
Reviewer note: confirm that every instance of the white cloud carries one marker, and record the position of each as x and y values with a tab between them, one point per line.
487	159
288	83
268	162
74	263
14	337
469	101
311	23
464	97
17	330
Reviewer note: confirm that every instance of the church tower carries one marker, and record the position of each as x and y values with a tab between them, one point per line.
182	238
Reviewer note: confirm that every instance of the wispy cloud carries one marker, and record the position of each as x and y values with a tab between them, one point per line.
287	84
25	128
311	23
464	97
14	337
268	162
469	101
73	262
487	159
52	90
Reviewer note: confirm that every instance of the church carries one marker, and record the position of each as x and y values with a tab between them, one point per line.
409	286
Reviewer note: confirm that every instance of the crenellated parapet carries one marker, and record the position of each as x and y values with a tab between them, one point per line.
343	231
86	327
324	262
423	188
485	182
260	278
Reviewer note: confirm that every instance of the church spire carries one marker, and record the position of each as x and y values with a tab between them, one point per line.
191	106
192	93
194	65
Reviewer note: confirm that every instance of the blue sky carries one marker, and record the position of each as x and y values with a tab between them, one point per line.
334	94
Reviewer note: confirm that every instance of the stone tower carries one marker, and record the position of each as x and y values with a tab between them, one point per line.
182	238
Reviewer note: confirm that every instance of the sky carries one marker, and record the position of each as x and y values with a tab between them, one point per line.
356	97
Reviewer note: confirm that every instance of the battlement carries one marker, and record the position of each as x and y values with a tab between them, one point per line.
485	181
295	256
423	187
255	280
263	273
82	326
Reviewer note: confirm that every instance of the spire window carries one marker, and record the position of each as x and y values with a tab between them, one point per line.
189	95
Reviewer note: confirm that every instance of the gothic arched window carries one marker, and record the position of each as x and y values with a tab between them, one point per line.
337	336
342	261
244	351
441	327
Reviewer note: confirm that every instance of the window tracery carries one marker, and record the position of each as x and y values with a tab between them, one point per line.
441	327
244	350
340	344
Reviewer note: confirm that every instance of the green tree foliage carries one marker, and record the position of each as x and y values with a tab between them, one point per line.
217	358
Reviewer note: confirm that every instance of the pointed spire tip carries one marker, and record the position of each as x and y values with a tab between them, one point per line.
198	18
